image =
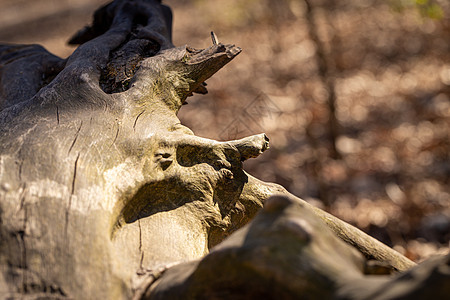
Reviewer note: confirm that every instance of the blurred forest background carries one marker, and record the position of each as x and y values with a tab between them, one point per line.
354	96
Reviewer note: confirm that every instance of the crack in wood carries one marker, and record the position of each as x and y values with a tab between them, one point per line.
75	139
74	174
135	121
22	196
23	251
57	114
20	170
140	246
72	192
117	134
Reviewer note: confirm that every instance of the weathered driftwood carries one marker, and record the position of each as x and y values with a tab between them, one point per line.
286	252
100	184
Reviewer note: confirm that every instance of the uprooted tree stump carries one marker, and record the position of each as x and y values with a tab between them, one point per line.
105	195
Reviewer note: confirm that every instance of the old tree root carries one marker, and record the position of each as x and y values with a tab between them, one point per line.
105	195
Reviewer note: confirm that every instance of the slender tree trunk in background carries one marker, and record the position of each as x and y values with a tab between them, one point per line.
327	78
105	195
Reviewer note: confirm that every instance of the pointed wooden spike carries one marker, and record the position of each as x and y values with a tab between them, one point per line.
214	38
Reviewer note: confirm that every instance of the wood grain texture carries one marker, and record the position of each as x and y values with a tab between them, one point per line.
101	187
